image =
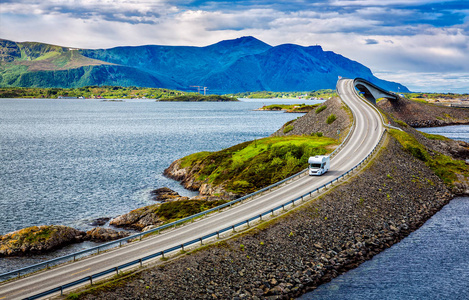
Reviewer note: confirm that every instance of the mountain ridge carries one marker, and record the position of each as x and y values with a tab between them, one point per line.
229	66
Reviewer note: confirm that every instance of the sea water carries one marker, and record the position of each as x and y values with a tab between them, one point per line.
70	161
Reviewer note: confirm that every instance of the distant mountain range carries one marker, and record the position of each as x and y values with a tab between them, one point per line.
231	66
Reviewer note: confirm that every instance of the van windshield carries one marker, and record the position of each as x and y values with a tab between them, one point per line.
315	166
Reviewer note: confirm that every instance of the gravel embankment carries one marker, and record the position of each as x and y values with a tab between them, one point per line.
313	122
296	253
424	115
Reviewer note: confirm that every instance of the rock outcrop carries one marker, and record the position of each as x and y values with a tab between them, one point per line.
139	218
151	216
165	194
38	239
100	234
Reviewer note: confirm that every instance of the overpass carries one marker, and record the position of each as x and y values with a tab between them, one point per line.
372	92
364	137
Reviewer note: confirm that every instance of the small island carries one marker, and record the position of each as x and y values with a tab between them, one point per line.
289	108
199	98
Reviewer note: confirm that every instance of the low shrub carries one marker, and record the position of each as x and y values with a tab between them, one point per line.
331	119
321	108
288	128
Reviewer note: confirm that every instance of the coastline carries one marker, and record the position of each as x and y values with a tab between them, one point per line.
389	239
348	225
331	235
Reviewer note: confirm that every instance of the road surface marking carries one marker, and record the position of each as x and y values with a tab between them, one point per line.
80	271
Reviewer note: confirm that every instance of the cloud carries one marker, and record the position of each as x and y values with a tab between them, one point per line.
371	41
406	36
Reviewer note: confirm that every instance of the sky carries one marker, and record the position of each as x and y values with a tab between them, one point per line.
423	44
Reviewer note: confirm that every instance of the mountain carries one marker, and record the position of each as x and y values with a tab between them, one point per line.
230	66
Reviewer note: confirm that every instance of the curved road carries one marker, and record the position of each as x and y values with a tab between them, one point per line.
365	136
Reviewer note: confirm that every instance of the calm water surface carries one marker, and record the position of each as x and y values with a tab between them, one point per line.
431	263
70	161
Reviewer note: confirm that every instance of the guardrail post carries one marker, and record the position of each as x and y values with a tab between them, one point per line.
218	234
233	228
98	250
272	212
283	207
120	244
117	270
260	217
91	280
140	237
201	241
247	221
141	265
182	247
74	258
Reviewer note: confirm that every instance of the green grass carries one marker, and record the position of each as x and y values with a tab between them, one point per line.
321	108
442	165
200	98
252	165
171	211
434	136
109	92
290	107
331	119
288	128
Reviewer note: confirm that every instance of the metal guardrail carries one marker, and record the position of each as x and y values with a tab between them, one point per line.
96	250
201	239
194	241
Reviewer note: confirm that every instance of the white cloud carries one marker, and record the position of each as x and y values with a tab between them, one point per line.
358	33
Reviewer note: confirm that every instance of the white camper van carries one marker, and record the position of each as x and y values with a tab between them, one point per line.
319	164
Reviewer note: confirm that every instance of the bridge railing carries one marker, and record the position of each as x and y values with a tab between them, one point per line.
96	250
205	237
374	106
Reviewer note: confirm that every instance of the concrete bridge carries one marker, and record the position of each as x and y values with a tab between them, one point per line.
372	92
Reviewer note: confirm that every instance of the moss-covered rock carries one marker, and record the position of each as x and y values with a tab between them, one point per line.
158	214
38	239
100	234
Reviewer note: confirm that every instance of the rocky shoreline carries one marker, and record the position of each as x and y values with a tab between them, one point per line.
331	235
46	238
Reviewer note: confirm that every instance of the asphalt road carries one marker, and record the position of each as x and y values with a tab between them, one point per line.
363	139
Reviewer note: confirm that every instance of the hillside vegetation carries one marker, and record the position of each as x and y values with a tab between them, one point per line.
200	98
290	108
250	166
319	94
108	92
